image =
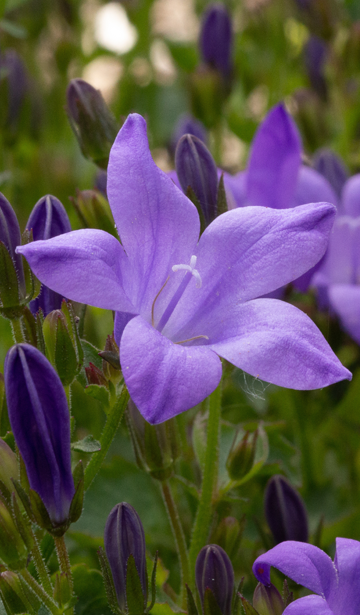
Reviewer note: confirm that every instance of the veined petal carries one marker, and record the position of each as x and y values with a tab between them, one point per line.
312	187
274	161
158	225
303	563
346	598
164	378
84	266
276	342
310	605
351	196
345	300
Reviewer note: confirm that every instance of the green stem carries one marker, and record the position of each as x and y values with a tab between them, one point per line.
40	592
17	331
209	480
179	537
64	565
40	566
111	426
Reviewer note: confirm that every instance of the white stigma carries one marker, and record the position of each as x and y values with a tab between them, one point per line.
191	269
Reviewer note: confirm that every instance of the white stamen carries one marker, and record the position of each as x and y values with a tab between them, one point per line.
191	269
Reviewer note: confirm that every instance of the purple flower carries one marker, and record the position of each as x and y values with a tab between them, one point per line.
47	219
183	303
39	418
316	53
336	583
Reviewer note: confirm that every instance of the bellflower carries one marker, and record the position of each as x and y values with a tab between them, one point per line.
335	583
182	303
40	422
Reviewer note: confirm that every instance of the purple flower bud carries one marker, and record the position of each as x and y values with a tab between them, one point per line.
48	219
187	125
13	76
39	418
195	167
267	600
213	570
10	233
332	168
101	182
216	39
285	511
315	58
124	536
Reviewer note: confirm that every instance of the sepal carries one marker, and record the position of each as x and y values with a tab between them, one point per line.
108	582
134	594
153	585
191	605
76	506
211	606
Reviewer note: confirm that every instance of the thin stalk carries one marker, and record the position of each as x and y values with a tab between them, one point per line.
179	537
209	479
64	564
40	566
17	331
40	592
111	426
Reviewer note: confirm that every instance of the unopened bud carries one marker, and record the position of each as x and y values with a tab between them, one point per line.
63	343
13	87
94	211
101	182
242	454
8	466
12	283
187	125
214	572
91	120
94	375
315	58
216	39
331	166
285	511
267	600
12	548
111	360
228	535
12	593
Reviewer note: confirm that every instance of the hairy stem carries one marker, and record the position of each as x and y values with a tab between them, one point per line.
40	566
17	331
64	565
40	592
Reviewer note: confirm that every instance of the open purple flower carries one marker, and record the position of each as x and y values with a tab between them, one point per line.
336	583
182	303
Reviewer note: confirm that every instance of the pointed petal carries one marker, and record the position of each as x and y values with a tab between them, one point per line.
351	196
310	605
346	599
312	187
303	563
274	161
163	378
84	266
345	300
274	341
157	224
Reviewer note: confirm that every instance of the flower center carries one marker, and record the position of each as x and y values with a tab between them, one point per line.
190	272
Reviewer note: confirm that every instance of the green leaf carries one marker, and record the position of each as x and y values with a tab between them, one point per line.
134	593
211	606
247	607
86	445
91	354
99	392
162	609
191	606
89	588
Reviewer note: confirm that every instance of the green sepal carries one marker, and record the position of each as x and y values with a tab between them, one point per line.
191	606
9	288
153	585
99	392
22	523
211	606
5	494
236	597
28	324
111	357
158	458
39	321
287	595
193	198
24	499
62	594
78	473
32	284
221	202
108	582
76	506
39	511
134	593
13	595
247	607
72	322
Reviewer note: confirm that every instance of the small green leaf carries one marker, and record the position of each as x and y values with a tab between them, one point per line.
87	444
191	606
77	502
99	392
193	198
211	606
134	592
247	607
222	204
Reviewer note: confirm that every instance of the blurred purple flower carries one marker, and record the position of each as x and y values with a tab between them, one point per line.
101	182
47	219
183	303
216	38
285	511
331	166
40	422
13	75
315	53
336	583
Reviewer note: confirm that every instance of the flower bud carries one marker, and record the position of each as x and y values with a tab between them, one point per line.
94	211
315	58
124	537
213	571
111	360
12	593
91	120
187	125
267	600
12	286
195	167
285	511
40	421
241	456
216	39
95	375
47	219
332	168
228	535
63	343
101	182
8	465
13	87
156	446
12	548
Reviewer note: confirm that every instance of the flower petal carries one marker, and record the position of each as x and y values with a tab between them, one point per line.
310	605
236	187
276	342
163	378
342	261
158	225
345	300
346	599
351	196
304	563
83	266
274	161
312	187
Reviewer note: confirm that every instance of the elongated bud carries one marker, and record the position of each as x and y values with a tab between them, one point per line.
47	219
13	87
12	287
242	454
91	120
124	541
156	446
267	600
228	535
12	593
94	211
94	375
195	167
216	39
285	511
12	548
111	360
8	466
331	166
39	418
315	58
213	571
63	343
187	125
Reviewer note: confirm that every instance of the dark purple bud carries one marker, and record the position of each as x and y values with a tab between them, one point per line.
332	168
195	167
39	418
48	219
213	570
187	125
315	58
124	536
267	600
14	79
285	511
216	39
10	232
101	182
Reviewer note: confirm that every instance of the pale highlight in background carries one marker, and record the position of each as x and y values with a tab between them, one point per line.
104	74
113	29
176	20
